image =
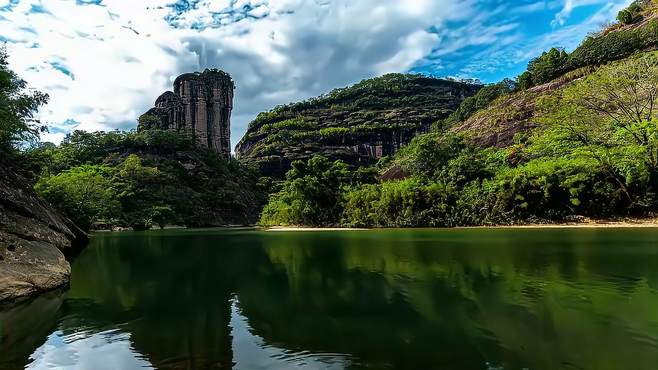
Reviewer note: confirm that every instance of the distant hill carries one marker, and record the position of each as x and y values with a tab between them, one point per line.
357	124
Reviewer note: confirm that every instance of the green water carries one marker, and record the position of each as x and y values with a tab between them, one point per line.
404	299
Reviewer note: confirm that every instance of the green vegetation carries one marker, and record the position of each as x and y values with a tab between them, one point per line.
544	68
390	109
85	193
632	14
390	90
312	193
613	43
138	179
479	101
595	154
17	108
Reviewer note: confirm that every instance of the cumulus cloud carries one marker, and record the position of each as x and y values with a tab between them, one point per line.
105	61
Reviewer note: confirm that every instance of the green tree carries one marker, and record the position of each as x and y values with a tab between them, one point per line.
18	107
162	215
632	14
427	154
546	67
610	117
480	100
310	195
86	194
148	122
138	187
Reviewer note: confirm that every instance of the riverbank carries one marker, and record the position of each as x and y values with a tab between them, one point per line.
584	222
580	223
303	228
596	224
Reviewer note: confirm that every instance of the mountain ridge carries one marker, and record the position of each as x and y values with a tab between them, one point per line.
358	124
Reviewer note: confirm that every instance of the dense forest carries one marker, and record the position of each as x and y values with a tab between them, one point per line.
140	179
583	143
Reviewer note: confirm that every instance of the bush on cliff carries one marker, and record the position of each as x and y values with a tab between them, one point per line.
480	100
85	193
631	14
613	44
547	66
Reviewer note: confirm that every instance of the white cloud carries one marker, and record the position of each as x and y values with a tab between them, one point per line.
104	65
114	73
507	51
569	5
122	54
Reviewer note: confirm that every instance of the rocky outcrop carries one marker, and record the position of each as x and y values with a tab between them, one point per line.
498	124
200	106
34	239
358	124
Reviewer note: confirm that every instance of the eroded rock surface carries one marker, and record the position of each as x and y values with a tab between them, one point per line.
34	239
200	105
358	124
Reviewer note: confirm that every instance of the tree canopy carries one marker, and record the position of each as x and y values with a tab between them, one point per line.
18	107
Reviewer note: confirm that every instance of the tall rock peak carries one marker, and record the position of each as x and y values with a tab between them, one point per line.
200	105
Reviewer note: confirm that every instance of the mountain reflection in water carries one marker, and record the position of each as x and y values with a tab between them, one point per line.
389	299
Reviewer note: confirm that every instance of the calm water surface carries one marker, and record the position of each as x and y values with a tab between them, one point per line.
404	299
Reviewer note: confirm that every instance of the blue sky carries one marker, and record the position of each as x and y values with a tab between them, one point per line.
104	62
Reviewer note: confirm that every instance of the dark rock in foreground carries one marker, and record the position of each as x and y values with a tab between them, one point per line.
34	239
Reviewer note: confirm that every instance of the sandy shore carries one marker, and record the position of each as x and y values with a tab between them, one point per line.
592	225
622	223
302	228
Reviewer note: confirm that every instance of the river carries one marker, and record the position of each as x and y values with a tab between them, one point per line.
513	299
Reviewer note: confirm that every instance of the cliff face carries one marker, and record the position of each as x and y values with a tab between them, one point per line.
34	239
358	124
200	106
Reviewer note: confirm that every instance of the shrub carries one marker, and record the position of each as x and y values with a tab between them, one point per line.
480	100
630	15
86	194
310	195
544	68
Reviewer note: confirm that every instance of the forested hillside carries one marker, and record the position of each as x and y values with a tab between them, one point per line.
574	136
143	179
358	124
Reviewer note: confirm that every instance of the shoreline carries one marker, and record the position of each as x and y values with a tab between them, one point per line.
589	224
310	229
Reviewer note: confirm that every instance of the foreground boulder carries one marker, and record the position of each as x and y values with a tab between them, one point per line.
35	239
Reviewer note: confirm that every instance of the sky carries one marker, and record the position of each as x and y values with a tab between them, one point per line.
104	62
